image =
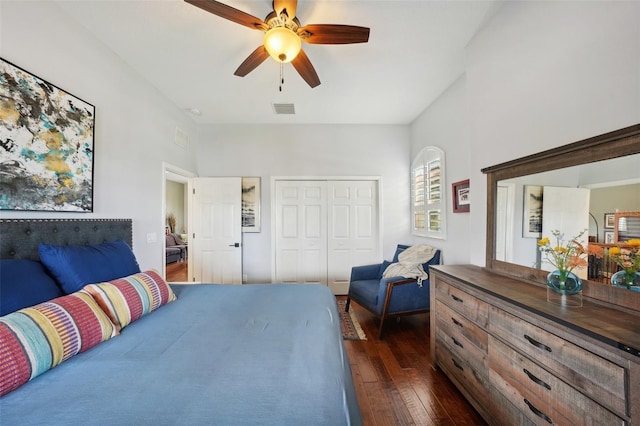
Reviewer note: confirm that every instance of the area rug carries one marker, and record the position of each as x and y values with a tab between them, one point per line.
351	330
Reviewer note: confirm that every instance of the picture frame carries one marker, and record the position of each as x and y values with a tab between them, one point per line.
609	220
47	139
461	201
251	192
609	237
532	197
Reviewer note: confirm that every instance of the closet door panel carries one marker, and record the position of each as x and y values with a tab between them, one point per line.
354	231
301	232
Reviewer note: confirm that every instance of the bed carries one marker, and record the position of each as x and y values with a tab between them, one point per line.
228	355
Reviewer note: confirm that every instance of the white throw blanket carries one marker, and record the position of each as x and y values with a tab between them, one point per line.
410	263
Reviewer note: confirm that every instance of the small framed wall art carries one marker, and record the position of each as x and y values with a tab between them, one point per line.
461	202
46	145
609	237
250	204
609	220
532	211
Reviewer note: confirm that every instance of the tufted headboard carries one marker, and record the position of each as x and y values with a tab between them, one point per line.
19	238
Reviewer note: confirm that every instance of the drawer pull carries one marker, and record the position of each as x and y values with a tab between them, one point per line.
456	298
537	412
536	380
458	366
456	322
456	342
537	344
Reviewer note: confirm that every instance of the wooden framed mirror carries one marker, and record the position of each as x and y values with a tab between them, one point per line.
623	145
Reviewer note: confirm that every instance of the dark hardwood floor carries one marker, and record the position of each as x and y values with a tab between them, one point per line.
395	381
177	272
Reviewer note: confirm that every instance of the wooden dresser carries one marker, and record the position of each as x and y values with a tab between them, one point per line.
522	360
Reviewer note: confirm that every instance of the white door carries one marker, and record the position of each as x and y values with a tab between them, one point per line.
215	244
565	210
301	232
504	221
353	230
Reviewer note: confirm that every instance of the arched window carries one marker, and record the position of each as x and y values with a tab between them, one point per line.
428	212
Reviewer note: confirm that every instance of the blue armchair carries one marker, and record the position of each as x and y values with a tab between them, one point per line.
389	297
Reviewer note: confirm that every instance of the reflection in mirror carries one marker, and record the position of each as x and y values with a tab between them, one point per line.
607	166
626	226
570	200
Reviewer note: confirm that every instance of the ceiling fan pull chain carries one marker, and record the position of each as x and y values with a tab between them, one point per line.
281	75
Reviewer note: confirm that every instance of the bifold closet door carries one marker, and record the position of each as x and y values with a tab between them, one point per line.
323	228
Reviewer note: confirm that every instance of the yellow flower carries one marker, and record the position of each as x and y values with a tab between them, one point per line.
560	249
544	241
614	251
633	242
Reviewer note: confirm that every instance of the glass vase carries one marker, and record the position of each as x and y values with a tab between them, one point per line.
564	282
628	280
564	288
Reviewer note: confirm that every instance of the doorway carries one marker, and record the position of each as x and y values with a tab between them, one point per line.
174	190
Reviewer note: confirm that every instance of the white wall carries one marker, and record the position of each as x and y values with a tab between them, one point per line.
310	150
539	75
135	125
444	124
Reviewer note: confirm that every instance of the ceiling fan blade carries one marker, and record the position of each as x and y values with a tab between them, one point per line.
333	34
289	5
256	58
230	13
302	64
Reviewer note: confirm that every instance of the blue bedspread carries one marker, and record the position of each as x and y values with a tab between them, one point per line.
219	355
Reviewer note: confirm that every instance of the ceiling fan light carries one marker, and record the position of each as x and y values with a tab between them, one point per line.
282	44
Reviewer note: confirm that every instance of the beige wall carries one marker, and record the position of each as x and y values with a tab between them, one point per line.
175	203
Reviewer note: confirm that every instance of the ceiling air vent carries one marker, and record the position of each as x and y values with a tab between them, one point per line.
284	109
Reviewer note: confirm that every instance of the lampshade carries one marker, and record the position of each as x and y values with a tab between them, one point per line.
282	44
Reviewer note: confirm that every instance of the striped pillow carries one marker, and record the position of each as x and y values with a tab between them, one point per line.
127	299
36	339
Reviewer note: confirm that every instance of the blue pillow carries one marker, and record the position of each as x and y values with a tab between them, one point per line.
76	266
24	283
383	267
399	249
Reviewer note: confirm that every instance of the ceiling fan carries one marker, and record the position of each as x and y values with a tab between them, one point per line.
284	35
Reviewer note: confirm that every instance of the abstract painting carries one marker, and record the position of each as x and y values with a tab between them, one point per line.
250	204
46	145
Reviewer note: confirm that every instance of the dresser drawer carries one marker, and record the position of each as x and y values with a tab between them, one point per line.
464	303
472	382
591	374
461	331
542	397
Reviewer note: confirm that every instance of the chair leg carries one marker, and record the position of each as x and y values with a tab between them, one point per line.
380	330
385	307
346	307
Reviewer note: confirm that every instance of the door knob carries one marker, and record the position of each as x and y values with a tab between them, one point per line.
234	245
